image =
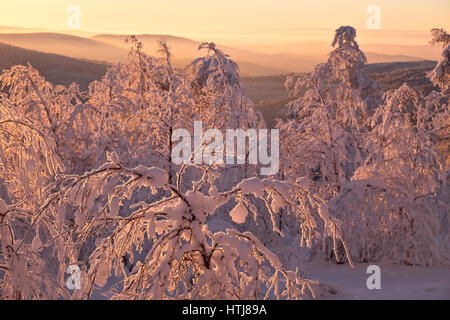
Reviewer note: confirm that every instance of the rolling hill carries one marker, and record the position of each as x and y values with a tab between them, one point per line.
55	68
267	92
270	97
64	70
67	45
253	60
112	48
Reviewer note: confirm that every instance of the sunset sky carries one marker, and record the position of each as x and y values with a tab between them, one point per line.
241	20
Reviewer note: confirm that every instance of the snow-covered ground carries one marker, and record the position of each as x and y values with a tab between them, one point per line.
397	282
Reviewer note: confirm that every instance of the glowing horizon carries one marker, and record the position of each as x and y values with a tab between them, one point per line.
255	21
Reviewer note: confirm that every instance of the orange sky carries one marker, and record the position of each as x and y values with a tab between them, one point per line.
259	21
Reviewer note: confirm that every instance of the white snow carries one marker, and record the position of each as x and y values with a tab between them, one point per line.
239	213
358	181
397	281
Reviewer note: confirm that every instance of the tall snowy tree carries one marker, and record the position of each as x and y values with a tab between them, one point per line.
322	140
220	99
440	75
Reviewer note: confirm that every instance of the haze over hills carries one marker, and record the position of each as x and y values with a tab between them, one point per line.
388	69
267	92
184	47
80	33
67	45
373	51
8	29
254	60
55	68
112	48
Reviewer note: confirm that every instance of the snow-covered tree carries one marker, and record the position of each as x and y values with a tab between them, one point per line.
219	99
28	163
321	141
378	168
390	210
440	75
184	259
340	83
141	103
87	179
136	224
53	109
319	148
439	36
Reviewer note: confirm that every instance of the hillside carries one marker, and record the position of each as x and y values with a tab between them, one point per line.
375	52
267	92
67	45
55	68
393	75
253	60
269	95
112	48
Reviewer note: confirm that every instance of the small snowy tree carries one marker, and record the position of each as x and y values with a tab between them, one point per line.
184	260
439	36
390	210
440	75
51	108
340	82
28	163
220	100
317	147
141	103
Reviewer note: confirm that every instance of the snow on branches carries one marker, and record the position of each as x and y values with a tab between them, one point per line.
220	100
185	260
87	179
391	210
339	81
376	164
140	225
440	74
